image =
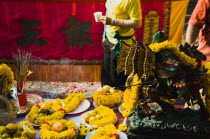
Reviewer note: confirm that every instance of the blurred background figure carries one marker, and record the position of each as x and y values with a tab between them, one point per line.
199	27
121	20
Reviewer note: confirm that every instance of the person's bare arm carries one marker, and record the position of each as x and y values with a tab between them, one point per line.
121	23
192	33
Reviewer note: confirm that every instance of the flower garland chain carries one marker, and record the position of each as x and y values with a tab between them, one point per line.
68	129
37	117
107	132
102	116
23	130
7	72
166	45
187	61
70	103
131	97
84	130
106	98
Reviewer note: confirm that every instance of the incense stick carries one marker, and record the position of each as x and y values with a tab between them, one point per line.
22	62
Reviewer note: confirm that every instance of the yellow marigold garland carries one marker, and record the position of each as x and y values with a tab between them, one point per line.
7	72
123	127
106	132
25	128
107	98
166	45
108	116
84	130
36	118
70	103
131	96
27	133
46	131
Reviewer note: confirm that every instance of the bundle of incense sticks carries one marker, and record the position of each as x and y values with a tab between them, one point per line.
22	62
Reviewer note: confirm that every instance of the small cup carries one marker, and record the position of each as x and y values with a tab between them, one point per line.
97	16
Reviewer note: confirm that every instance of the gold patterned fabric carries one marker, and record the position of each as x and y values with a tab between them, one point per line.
135	58
124	49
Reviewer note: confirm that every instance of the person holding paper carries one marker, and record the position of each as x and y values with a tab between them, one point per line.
121	20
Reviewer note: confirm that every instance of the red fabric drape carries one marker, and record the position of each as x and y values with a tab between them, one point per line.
146	8
50	30
53	18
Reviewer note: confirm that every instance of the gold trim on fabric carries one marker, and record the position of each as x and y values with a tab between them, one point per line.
167	12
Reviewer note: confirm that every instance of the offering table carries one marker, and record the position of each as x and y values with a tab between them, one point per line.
76	117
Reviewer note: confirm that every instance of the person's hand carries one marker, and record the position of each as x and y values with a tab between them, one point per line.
103	40
105	20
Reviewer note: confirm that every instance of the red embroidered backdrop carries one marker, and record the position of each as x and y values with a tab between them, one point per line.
63	30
